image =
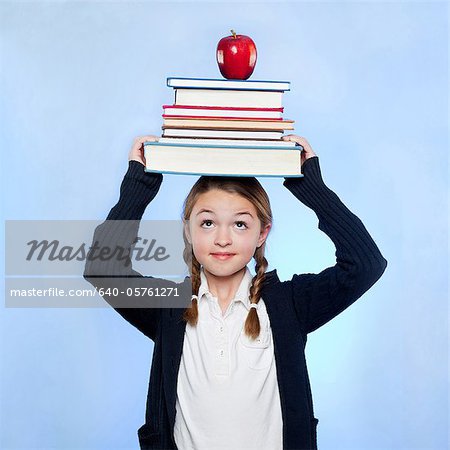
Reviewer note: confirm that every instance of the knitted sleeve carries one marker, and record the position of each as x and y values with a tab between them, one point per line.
119	231
318	298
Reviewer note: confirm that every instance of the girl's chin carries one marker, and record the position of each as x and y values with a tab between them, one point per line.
222	271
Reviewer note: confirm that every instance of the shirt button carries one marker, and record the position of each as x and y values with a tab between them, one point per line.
221	352
221	329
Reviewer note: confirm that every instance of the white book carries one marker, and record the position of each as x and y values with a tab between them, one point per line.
225	142
213	97
225	161
169	111
189	132
213	83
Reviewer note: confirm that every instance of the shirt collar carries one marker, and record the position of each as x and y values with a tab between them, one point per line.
242	293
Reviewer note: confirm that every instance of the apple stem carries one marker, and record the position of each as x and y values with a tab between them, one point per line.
233	33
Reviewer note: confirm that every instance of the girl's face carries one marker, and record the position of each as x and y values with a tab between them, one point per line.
224	231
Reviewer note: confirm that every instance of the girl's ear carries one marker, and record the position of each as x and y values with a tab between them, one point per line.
263	235
187	232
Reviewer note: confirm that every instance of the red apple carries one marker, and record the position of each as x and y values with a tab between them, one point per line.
236	56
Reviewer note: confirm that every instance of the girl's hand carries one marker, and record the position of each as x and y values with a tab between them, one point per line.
307	151
137	150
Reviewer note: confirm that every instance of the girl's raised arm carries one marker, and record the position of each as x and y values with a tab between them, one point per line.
359	263
119	231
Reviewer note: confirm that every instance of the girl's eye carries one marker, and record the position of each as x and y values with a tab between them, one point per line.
241	225
208	223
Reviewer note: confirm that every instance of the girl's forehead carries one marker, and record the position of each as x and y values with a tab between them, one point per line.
217	200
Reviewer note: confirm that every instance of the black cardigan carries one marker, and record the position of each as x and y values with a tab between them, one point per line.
295	307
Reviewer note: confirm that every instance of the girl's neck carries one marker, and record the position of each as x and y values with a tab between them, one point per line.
224	288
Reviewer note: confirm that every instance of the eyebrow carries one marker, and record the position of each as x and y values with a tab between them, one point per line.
241	213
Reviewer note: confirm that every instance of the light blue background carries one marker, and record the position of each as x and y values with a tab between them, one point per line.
79	80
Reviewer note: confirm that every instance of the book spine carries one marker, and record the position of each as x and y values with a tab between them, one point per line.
175	140
261	119
221	128
234	108
203	146
244	85
228	97
227	137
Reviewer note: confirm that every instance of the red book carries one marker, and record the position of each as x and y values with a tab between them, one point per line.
223	112
262	119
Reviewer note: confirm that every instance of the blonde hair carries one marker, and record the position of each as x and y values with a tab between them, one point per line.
250	189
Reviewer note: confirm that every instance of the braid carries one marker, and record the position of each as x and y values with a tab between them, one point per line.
252	325
190	314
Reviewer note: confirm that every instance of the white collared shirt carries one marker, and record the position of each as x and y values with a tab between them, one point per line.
227	392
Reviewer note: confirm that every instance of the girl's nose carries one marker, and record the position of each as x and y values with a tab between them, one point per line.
223	237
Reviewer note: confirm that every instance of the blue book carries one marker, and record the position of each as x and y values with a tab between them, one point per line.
220	83
220	160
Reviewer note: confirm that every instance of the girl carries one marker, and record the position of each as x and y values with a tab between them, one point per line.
229	372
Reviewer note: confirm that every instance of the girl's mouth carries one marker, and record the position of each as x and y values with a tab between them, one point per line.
222	256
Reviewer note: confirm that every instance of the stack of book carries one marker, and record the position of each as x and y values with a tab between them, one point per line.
224	127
